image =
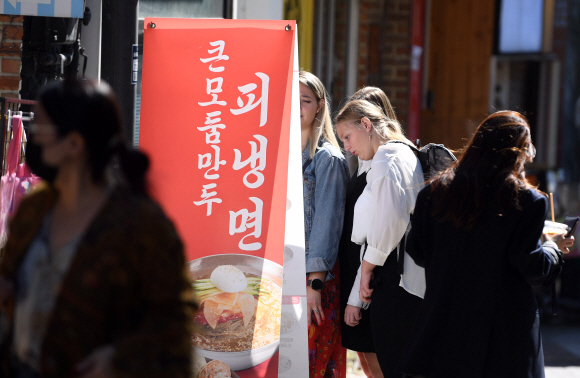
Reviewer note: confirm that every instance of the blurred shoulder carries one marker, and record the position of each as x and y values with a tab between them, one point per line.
142	214
426	197
39	193
426	193
35	204
532	196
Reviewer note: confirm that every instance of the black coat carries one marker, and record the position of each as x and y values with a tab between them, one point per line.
479	317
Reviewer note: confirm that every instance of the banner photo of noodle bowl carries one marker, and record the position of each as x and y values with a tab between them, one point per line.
240	298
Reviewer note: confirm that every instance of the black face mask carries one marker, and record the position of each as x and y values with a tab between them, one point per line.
35	163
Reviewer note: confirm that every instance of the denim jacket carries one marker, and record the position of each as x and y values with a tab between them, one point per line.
325	180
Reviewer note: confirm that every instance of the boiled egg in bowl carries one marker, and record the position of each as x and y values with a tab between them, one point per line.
229	279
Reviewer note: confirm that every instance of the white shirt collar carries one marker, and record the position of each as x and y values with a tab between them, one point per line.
363	166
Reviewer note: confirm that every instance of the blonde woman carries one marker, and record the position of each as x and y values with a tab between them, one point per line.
381	217
357	335
325	175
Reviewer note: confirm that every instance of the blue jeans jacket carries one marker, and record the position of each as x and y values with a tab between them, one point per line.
325	181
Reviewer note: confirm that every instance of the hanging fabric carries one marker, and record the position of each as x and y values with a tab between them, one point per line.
18	178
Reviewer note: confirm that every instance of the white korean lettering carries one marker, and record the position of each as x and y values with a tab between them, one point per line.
218	88
205	160
220	55
248	220
257	161
251	104
212	125
213	91
214	101
212	135
207	198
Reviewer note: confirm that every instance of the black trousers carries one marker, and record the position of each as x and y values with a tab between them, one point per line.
392	313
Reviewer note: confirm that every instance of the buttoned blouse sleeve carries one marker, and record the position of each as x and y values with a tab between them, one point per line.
389	206
392	209
354	298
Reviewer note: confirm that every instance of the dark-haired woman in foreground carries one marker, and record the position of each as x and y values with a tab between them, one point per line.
476	229
92	283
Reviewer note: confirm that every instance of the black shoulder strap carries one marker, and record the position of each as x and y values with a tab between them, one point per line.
306	164
415	149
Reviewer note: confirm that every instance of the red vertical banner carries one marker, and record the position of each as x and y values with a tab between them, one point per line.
215	121
417	48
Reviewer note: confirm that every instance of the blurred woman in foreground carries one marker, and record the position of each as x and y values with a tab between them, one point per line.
476	229
92	283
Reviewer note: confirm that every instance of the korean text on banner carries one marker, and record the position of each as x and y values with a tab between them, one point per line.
215	121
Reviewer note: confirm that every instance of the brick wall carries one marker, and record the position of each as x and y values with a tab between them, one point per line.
10	55
340	28
391	70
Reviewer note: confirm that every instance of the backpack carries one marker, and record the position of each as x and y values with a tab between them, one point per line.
434	158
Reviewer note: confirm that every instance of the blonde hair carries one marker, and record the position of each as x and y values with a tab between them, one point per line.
322	125
377	97
387	128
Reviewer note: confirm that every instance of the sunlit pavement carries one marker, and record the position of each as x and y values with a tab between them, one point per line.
551	372
562	350
563	372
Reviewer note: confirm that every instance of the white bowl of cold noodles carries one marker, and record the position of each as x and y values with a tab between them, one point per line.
240	298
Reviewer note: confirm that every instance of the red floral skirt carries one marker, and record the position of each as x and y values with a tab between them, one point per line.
326	355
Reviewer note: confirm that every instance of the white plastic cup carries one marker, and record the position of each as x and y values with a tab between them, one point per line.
555	228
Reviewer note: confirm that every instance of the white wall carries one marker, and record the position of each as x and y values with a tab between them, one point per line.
258	9
91	41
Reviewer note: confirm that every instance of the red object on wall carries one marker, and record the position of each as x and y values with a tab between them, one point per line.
417	49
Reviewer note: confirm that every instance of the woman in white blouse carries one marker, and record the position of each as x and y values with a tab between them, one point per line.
381	219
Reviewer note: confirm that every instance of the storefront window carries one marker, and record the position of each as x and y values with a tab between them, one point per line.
182	8
521	26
